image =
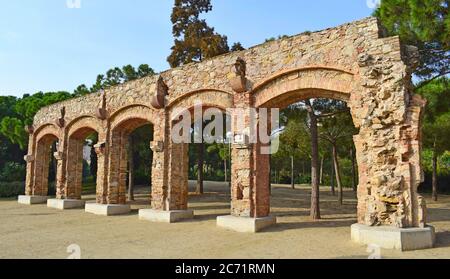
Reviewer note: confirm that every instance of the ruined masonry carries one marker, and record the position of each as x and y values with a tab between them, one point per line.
354	62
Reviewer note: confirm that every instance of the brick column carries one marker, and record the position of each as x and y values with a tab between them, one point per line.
60	173
74	169
30	160
178	163
101	188
250	168
41	165
117	171
102	149
158	174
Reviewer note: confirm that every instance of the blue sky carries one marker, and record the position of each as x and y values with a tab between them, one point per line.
46	46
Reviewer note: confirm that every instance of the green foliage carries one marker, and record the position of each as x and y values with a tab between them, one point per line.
11	189
194	39
116	76
425	24
336	123
214	160
443	166
271	39
12	171
436	126
142	154
14	130
22	111
335	126
81	91
7	104
237	47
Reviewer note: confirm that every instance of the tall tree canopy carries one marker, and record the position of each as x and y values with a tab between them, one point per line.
22	111
425	24
116	76
194	39
436	125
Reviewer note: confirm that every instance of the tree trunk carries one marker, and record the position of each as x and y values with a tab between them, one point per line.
270	175
200	155
292	173
225	170
333	191
315	190
338	175
54	162
321	170
94	163
130	169
354	178
434	179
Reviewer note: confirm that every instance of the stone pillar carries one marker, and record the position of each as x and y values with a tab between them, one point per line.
60	173
42	160
388	145
30	160
102	150
123	170
74	169
61	157
250	198
178	177
262	169
158	175
388	151
101	185
170	163
112	169
117	175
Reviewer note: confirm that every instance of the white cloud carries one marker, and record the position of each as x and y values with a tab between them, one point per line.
373	4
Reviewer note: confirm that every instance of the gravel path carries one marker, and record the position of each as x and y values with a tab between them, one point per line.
39	232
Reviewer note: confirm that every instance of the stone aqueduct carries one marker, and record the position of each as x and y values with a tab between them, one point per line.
354	62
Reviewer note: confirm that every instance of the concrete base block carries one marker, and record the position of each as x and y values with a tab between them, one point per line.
245	224
394	238
165	216
29	200
65	204
107	209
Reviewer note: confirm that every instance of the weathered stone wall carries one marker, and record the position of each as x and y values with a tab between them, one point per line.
352	62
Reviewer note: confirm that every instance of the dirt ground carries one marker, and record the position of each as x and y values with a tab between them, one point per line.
40	232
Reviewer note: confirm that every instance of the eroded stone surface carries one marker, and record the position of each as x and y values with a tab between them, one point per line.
352	62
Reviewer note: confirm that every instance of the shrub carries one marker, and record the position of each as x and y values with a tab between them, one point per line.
12	171
11	189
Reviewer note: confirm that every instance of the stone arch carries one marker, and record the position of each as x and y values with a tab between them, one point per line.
388	177
82	125
250	196
141	112
208	97
46	129
122	124
179	152
294	85
44	137
76	133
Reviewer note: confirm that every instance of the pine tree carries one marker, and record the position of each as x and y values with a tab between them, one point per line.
425	24
194	39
